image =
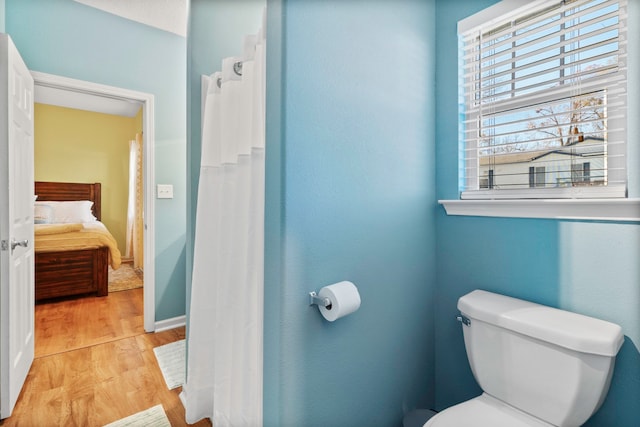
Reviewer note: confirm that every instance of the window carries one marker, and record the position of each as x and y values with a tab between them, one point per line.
537	176
543	100
581	173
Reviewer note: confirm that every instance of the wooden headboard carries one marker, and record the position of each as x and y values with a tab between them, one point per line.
70	191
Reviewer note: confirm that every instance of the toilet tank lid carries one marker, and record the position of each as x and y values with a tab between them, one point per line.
563	328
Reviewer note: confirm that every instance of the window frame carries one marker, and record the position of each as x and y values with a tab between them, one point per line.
597	205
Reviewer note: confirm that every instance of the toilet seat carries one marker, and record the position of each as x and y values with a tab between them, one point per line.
484	411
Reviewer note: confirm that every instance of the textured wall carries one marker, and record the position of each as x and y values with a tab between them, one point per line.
350	196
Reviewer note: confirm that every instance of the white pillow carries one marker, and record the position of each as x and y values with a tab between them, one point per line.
71	212
42	213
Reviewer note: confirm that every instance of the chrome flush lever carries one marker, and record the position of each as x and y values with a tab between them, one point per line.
464	320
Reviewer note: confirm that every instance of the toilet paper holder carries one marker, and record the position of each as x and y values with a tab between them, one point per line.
336	301
314	299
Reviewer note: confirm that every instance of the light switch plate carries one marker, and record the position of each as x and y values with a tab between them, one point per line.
165	191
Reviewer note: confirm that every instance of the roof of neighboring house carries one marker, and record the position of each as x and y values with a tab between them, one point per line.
589	147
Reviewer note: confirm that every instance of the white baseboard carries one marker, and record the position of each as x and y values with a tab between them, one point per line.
174	322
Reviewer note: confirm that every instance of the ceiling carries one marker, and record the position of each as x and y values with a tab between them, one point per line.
167	15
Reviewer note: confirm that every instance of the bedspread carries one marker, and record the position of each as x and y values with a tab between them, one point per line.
69	237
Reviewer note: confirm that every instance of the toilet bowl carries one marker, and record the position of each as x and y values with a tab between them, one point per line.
537	365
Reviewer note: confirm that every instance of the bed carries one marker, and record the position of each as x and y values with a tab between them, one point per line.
63	271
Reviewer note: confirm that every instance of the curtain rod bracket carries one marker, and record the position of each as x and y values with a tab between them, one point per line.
237	68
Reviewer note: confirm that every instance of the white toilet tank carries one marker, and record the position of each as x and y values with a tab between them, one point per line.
553	364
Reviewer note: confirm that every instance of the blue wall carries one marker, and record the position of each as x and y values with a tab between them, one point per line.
69	39
587	267
350	196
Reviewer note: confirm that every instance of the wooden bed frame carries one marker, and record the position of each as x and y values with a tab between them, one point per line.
78	272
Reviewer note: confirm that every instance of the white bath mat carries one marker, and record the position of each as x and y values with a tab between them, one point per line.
152	417
171	359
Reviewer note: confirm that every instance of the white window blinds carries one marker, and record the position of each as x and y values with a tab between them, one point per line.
543	101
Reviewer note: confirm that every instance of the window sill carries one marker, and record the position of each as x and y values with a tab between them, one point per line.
577	209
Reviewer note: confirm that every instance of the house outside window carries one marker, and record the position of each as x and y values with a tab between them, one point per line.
537	176
560	168
581	172
543	101
486	181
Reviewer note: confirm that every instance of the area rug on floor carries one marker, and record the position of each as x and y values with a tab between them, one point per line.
125	278
171	359
152	417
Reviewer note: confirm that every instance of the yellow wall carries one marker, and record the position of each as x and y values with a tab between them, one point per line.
81	146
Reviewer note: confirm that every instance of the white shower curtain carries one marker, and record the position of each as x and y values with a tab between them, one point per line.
224	364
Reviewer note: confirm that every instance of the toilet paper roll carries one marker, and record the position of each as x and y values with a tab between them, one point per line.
344	298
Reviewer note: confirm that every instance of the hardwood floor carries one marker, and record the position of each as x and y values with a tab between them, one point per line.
94	365
82	322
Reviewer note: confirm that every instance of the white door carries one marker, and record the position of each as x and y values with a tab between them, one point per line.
16	225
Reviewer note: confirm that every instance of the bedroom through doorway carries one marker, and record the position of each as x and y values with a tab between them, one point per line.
58	96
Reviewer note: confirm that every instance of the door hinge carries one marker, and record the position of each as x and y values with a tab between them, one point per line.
4	245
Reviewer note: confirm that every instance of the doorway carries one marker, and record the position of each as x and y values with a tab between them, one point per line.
76	93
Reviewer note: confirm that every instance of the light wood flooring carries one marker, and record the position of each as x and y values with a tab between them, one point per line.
95	364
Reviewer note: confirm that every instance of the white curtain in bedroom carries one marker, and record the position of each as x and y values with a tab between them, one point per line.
134	234
224	363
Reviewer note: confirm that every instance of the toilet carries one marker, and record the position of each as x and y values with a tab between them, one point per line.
536	365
